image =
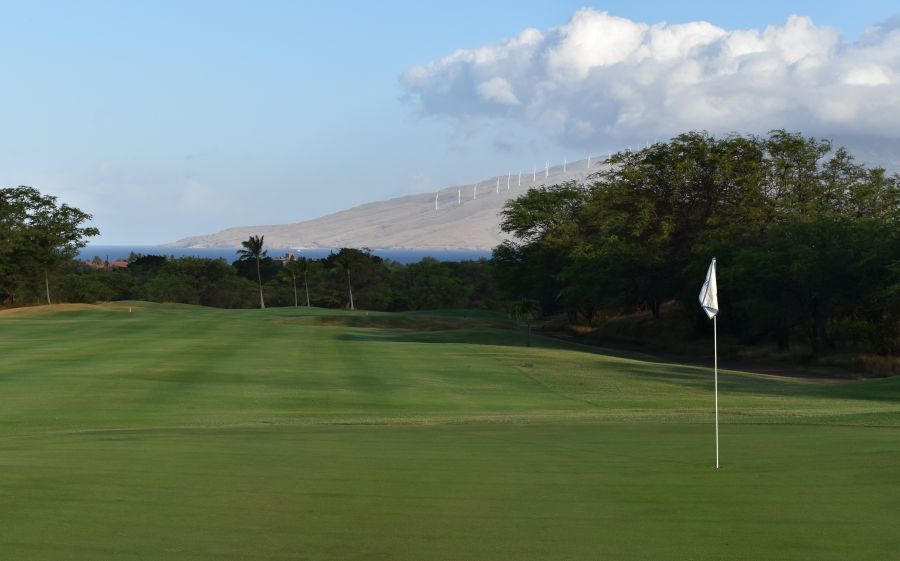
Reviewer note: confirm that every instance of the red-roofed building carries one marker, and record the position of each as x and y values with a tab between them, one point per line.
97	264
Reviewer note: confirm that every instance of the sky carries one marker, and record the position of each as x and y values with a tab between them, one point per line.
169	119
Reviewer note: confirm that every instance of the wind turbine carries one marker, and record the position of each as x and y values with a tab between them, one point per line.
507	180
547	169
564	165
435	200
475	193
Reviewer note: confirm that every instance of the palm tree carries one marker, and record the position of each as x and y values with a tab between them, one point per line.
253	250
344	261
303	265
289	269
296	268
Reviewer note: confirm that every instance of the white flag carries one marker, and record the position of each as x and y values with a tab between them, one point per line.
709	292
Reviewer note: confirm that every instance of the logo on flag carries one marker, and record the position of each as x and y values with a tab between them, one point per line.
709	297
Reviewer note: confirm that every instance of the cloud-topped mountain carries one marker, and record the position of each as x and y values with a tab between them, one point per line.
462	220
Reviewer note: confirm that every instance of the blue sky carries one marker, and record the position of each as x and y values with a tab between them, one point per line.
166	119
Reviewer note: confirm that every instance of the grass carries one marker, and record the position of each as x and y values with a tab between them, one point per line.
178	432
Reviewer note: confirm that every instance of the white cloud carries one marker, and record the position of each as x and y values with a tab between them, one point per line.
591	40
867	75
499	90
602	77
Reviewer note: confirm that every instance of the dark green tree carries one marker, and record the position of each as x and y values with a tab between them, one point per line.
294	269
38	235
797	225
525	312
344	263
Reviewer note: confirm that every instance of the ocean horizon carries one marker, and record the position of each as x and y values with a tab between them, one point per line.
405	256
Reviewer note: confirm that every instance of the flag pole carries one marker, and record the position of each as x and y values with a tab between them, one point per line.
716	376
709	301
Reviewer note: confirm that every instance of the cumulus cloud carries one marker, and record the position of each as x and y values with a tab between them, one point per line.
499	90
603	77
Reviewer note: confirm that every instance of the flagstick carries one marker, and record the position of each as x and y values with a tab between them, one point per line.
709	301
716	366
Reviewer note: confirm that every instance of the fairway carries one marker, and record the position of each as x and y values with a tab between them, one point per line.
180	432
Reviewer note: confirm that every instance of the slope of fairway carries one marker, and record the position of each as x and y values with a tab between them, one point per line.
144	431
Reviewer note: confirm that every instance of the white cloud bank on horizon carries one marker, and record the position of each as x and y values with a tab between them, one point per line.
604	77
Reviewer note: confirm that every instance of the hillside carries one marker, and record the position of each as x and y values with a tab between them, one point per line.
461	221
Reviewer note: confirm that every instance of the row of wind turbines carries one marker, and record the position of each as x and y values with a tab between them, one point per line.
459	197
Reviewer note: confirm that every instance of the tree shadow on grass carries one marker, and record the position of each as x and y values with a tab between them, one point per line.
641	366
883	390
398	322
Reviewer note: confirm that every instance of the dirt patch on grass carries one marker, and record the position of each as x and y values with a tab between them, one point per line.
44	309
415	321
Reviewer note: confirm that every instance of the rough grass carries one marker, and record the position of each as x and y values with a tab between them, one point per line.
179	432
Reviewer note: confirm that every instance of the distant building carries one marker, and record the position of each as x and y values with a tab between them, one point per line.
99	264
288	257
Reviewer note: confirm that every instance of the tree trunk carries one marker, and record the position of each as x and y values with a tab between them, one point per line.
655	306
47	285
815	331
262	303
350	288
306	286
294	278
783	334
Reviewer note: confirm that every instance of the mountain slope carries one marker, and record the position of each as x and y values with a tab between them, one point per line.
461	221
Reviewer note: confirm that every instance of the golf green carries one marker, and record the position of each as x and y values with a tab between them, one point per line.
178	432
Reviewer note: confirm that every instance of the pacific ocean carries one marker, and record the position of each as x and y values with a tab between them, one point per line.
405	256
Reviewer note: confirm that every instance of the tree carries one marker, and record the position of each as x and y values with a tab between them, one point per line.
295	268
37	234
366	276
253	251
303	265
344	261
427	285
289	269
193	280
544	223
524	312
807	233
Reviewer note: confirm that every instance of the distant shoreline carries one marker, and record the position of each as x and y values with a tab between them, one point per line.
410	255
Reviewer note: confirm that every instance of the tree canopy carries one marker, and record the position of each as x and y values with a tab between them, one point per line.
805	235
37	235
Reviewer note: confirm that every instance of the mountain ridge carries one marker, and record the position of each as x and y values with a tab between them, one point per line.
466	218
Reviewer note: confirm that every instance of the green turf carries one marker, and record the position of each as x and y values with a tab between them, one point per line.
179	432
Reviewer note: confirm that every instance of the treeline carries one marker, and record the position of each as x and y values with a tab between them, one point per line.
40	239
806	240
376	284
